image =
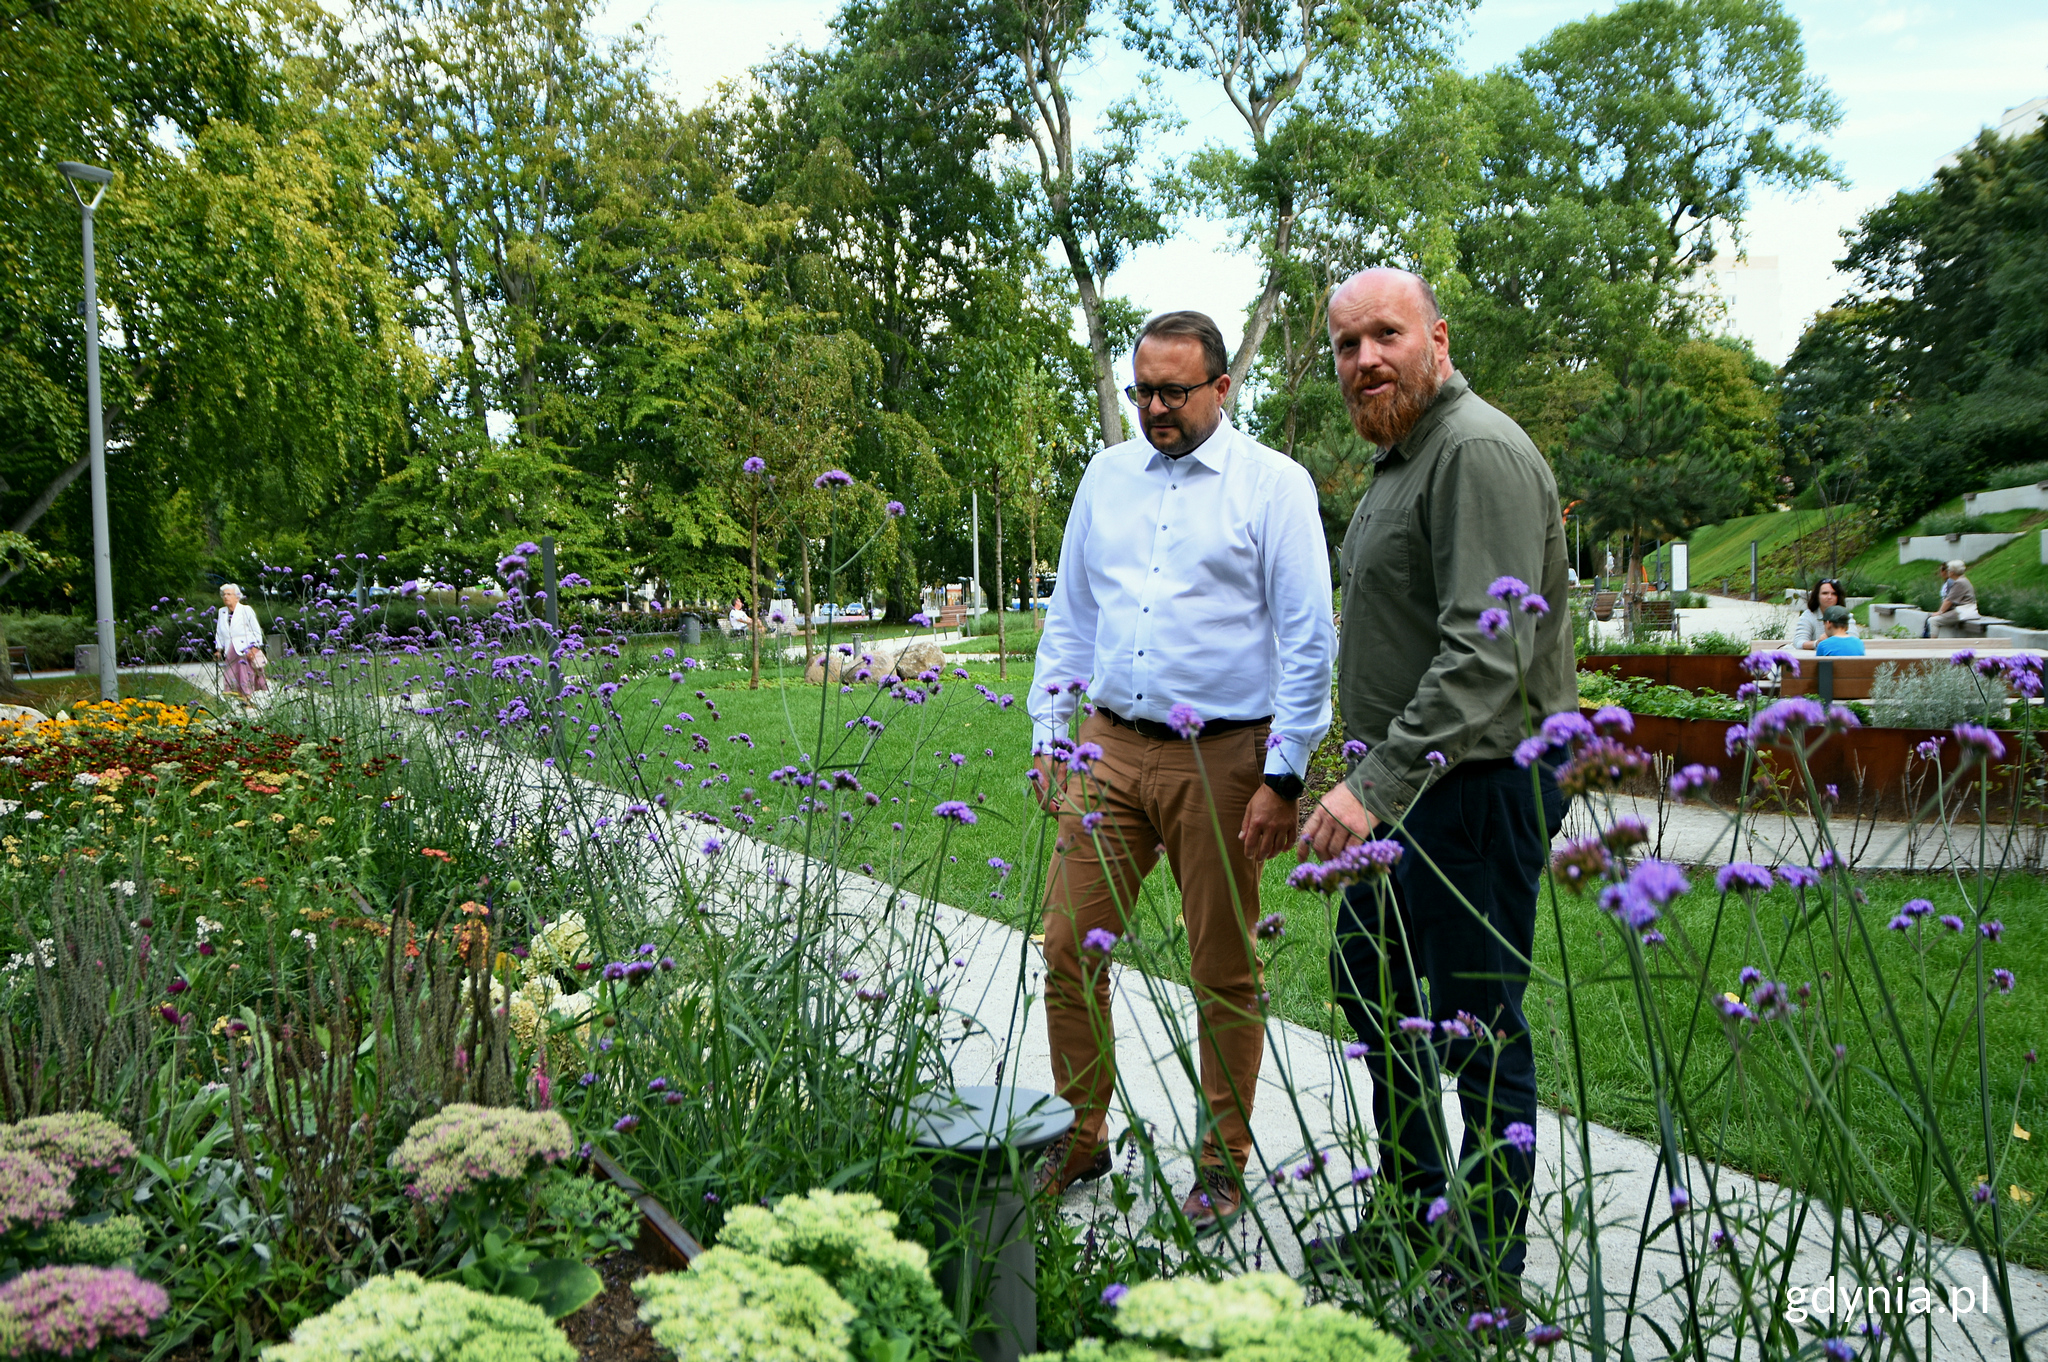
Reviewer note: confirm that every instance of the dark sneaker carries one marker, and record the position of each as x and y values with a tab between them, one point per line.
1480	1308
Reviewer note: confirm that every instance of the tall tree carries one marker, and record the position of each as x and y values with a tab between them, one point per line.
1090	198
1304	77
250	352
1937	361
1639	464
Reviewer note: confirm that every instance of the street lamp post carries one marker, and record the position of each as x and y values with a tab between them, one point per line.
102	560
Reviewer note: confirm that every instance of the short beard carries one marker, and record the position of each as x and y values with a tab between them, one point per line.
1386	421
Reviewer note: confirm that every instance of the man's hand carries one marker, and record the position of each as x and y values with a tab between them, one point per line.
1049	785
1269	824
1339	821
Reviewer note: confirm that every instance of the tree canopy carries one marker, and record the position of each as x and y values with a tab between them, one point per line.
439	276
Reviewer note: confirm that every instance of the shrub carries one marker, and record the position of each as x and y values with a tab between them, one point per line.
49	639
106	1241
1930	697
68	1310
79	1140
463	1146
1955	522
737	1307
850	1241
33	1193
401	1318
1258	1317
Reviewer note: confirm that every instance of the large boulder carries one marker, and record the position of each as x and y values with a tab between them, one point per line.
901	658
22	715
834	665
905	658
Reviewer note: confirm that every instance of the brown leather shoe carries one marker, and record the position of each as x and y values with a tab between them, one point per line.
1215	1200
1065	1163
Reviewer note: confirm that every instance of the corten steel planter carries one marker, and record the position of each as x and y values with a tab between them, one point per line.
663	1240
1874	760
1709	671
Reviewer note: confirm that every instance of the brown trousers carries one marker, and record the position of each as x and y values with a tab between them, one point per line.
1153	797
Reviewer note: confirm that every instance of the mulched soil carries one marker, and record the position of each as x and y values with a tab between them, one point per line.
609	1328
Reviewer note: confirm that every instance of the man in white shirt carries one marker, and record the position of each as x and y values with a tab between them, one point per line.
1193	605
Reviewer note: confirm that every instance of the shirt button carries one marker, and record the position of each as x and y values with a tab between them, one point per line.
1141	695
1141	652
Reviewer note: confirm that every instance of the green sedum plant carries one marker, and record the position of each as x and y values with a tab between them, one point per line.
480	1164
850	1241
402	1318
738	1307
1258	1317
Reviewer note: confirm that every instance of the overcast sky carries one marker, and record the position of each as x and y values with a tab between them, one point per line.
1915	81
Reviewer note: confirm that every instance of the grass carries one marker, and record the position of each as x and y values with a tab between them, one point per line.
1722	550
912	760
52	693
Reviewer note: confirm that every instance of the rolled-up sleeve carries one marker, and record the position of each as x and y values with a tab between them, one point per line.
1476	493
1066	651
1298	597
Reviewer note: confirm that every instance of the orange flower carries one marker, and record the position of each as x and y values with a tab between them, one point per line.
442	855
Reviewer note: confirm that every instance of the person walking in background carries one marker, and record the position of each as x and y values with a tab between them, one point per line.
1807	630
1193	606
237	643
1840	640
1460	518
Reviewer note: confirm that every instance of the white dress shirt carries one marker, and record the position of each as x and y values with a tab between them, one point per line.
1203	581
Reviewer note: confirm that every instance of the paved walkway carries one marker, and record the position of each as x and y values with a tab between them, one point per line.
1311	1102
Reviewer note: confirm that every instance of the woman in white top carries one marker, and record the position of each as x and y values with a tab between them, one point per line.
1807	630
236	637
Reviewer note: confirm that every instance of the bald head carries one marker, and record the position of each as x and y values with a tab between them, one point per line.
1392	350
1385	278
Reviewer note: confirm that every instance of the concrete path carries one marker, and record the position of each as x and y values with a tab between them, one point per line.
1312	1103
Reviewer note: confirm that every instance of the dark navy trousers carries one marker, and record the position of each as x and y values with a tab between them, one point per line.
1408	947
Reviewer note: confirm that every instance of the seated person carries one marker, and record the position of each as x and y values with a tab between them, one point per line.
1958	598
736	619
1806	630
1838	641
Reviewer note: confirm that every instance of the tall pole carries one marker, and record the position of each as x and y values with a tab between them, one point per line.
975	587
102	556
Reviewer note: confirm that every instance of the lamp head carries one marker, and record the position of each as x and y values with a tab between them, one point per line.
77	173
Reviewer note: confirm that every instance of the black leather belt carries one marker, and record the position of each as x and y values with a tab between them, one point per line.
1152	728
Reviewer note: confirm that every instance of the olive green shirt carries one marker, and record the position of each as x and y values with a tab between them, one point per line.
1465	500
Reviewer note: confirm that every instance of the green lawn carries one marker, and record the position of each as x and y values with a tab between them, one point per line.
910	764
52	693
1722	550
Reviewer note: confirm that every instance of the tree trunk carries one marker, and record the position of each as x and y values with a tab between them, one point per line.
1269	299
809	604
995	487
754	567
1107	407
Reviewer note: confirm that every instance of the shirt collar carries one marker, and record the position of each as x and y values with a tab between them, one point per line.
1453	388
1210	453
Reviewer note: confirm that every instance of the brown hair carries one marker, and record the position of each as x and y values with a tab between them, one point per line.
1198	325
1813	594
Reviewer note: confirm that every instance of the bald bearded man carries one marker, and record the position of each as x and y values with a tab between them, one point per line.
1460	520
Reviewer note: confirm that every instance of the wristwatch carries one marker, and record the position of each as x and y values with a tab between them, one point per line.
1286	784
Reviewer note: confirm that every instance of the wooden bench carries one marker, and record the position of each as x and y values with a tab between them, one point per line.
17	658
1655	614
1843	678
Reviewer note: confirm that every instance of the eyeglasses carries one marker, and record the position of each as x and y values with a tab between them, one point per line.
1173	396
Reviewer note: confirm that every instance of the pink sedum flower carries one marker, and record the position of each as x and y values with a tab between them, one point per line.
69	1311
